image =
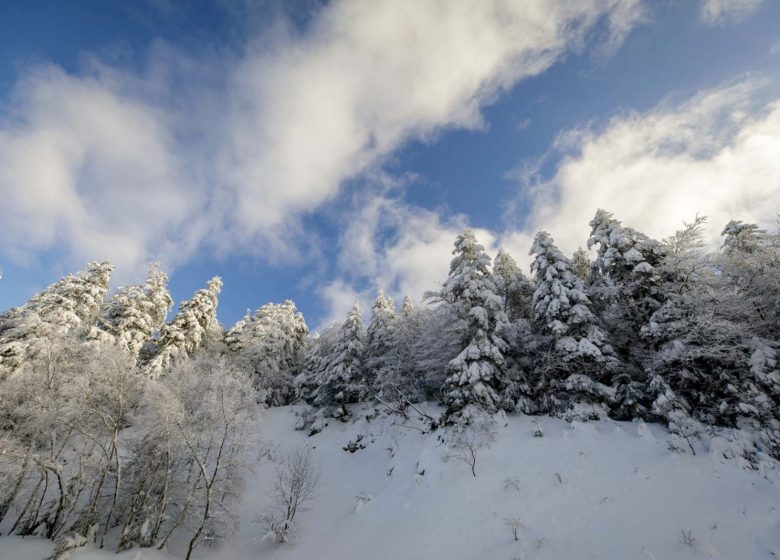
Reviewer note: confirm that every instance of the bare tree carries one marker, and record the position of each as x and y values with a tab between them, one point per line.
297	478
470	438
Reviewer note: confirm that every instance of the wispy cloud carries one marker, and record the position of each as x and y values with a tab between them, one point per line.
231	153
714	154
723	11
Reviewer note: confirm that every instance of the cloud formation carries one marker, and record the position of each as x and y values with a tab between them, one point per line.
723	11
390	245
715	154
230	154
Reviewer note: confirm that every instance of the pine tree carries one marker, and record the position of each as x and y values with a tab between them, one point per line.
561	305
513	286
563	312
627	262
195	322
135	313
517	292
477	373
381	358
582	265
68	306
270	344
343	377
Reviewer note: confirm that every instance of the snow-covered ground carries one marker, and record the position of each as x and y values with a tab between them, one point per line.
606	490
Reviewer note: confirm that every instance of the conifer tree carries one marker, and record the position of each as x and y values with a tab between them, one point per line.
477	373
195	322
381	357
65	307
135	313
270	344
343	377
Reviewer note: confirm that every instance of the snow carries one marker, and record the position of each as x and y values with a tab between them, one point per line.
600	490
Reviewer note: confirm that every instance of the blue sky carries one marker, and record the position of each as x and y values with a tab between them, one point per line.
320	152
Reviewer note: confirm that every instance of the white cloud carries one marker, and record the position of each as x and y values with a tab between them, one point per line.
721	11
233	152
775	49
714	154
86	163
395	247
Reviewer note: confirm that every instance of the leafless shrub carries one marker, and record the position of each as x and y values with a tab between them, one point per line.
687	538
516	526
297	479
470	439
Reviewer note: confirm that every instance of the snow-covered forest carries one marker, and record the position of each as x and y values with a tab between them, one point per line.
123	427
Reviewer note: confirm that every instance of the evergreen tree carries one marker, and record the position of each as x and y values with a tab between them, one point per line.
194	324
68	306
270	344
582	265
381	357
135	313
477	372
517	292
563	312
513	286
561	305
343	377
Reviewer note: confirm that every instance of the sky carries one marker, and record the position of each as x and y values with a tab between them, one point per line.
322	151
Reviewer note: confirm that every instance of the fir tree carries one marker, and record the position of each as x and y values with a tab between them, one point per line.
343	377
135	313
477	372
270	344
195	322
381	358
68	306
563	312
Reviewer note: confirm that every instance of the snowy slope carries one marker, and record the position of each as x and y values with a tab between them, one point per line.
607	490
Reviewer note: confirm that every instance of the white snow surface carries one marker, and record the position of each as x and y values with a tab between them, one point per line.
599	490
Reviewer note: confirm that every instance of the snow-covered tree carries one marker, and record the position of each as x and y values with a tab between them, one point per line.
412	352
582	265
517	292
513	286
381	360
69	305
561	305
750	261
195	322
477	373
135	313
271	344
343	376
574	374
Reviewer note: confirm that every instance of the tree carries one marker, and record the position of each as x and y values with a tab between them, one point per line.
343	376
297	479
513	286
195	322
477	372
69	305
270	344
562	311
561	306
135	313
750	261
381	356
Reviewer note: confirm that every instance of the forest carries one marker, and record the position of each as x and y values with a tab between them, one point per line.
123	428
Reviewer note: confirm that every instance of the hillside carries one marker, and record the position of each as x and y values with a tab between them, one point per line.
607	490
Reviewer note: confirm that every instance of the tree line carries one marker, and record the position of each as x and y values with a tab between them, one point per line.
121	428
